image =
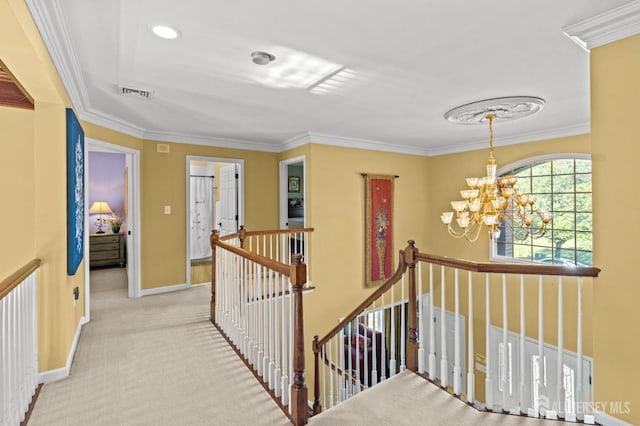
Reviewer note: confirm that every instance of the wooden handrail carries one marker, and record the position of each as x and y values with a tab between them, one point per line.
509	268
244	233
13	280
261	260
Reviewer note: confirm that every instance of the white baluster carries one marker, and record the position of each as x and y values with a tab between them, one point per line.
539	410
522	402
374	358
560	367
444	376
488	385
505	343
285	327
579	409
278	292
471	379
323	374
457	371
420	319
383	350
392	354
432	331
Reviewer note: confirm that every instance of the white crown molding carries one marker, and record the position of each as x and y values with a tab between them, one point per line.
537	136
607	27
183	138
50	22
347	142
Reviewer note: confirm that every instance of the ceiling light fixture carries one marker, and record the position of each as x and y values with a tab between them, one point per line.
262	58
490	200
165	32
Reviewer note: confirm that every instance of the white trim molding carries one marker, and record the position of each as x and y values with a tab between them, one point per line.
607	27
164	289
62	373
608	420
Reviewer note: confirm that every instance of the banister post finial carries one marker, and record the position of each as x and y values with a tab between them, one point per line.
412	343
242	234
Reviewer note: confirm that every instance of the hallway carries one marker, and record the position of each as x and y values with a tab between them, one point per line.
154	361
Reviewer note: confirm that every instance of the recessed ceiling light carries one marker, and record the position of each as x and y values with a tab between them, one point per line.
165	32
262	58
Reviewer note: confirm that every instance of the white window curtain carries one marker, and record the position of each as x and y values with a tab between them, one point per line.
201	212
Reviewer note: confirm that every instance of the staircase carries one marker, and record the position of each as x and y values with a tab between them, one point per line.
460	325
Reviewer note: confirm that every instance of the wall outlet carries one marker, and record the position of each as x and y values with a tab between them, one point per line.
167	209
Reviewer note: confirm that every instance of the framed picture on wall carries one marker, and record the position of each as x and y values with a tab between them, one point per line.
378	229
75	192
294	184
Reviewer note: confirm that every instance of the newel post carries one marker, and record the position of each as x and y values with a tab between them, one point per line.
215	235
412	343
242	235
298	277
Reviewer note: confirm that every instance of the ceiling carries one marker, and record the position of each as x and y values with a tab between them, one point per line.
409	64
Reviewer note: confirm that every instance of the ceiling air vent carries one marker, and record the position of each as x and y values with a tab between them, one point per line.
136	93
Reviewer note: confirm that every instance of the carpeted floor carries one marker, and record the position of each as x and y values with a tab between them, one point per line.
408	399
159	361
154	361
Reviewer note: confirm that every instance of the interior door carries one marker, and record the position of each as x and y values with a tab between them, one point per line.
228	200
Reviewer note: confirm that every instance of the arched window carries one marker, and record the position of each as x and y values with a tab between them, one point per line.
561	185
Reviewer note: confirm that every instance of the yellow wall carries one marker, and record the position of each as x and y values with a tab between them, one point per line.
615	90
33	184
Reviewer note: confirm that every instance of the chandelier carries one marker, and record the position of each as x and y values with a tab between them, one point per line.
491	201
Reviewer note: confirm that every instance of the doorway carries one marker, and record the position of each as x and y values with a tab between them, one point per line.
293	193
214	191
123	190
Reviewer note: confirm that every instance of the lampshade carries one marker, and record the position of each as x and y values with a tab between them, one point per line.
100	207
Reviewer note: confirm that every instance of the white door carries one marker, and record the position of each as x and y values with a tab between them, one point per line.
228	200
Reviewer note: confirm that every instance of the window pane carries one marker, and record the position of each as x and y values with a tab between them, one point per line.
584	222
585	258
583	202
564	202
524	184
543	201
541	169
562	167
563	221
583	183
563	183
583	166
584	241
540	184
522	251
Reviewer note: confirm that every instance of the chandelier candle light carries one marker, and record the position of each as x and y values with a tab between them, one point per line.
491	201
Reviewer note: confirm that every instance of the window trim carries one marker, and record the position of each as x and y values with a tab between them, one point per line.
493	248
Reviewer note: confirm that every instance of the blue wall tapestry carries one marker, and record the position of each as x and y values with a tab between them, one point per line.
75	193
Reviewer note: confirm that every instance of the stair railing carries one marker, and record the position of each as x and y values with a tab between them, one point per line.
18	343
394	326
256	303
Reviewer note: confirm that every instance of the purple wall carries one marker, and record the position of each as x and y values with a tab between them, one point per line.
106	183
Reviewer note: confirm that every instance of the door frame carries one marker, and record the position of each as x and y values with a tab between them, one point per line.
284	188
133	226
240	165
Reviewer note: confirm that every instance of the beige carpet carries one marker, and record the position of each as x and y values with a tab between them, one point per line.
408	399
155	361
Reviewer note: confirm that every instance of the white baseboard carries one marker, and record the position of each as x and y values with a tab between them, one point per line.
608	420
62	373
165	289
200	285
